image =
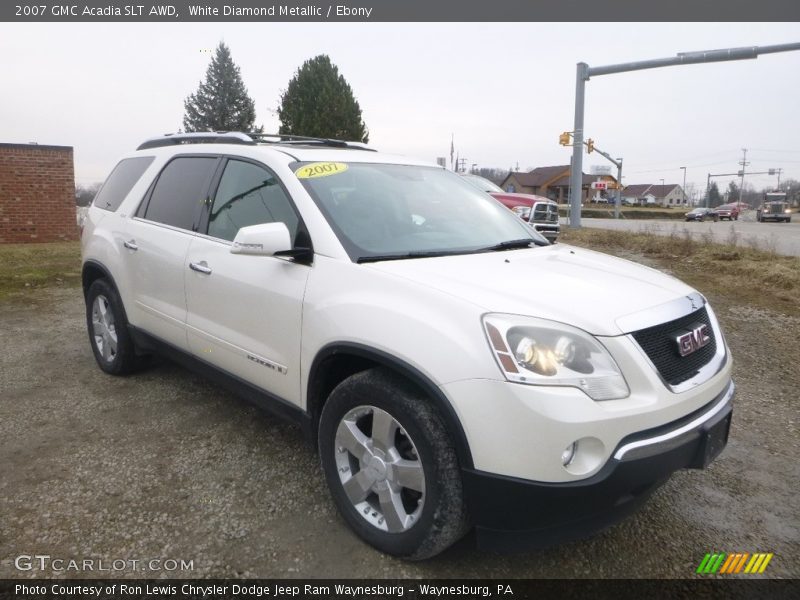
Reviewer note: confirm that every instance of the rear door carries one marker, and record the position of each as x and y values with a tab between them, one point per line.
157	242
244	312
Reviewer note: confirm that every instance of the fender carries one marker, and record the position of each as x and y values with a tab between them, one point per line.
446	411
101	267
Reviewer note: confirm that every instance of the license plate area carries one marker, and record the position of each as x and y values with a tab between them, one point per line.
714	439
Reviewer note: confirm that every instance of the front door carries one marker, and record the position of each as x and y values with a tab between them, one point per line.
244	312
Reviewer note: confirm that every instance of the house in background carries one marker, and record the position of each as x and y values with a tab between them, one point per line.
551	182
648	194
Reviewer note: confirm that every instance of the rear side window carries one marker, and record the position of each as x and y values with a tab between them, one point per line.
180	191
249	195
121	182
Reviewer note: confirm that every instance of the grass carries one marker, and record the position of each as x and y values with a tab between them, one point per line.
27	267
744	275
741	274
606	211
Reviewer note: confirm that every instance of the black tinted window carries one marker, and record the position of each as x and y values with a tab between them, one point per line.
249	195
179	191
121	181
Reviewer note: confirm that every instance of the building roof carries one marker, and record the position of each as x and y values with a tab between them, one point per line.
642	189
637	189
551	176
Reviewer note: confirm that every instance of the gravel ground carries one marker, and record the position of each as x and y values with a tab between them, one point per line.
163	465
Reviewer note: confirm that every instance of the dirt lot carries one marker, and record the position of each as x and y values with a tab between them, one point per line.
163	465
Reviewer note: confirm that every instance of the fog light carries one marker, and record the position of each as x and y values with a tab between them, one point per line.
569	453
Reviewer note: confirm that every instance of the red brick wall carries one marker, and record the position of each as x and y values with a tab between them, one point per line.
37	194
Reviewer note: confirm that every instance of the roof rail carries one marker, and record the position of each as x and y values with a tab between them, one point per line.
203	137
290	138
251	138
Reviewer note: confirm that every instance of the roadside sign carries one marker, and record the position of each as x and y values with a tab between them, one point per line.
599	185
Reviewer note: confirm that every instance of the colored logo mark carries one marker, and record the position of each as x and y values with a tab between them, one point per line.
732	563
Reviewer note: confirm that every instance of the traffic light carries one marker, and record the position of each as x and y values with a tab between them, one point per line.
563	139
589	145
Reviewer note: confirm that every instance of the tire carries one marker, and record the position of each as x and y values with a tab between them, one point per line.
716	219
107	326
419	519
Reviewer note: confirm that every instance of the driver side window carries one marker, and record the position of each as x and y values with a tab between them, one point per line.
249	195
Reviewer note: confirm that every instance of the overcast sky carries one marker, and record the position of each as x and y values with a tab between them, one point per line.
504	90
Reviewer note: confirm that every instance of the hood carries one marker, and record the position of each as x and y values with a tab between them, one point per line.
587	289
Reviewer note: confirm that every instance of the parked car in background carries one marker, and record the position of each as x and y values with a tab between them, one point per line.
545	212
728	211
702	214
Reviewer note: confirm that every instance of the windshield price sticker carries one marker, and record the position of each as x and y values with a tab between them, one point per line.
320	169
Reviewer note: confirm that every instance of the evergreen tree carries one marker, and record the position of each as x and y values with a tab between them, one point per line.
733	192
320	103
714	197
221	102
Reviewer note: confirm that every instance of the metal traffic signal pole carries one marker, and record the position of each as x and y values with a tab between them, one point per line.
617	163
584	72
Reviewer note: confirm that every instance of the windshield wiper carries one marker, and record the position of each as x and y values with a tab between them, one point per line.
512	245
405	255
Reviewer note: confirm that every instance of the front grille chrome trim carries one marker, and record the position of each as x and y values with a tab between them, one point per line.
694	424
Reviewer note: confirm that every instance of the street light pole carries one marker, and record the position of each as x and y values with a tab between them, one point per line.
684	185
584	72
576	174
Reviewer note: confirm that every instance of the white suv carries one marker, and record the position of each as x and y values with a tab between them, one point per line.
453	368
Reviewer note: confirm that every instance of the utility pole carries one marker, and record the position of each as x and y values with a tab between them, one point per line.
584	72
744	164
778	171
684	185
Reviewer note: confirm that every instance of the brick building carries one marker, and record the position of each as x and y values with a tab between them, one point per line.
37	193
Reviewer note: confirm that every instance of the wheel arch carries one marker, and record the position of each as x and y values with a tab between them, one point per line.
337	361
93	270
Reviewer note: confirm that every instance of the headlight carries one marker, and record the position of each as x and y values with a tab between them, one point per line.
538	352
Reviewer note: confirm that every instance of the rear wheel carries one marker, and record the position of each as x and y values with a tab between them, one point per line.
391	466
109	337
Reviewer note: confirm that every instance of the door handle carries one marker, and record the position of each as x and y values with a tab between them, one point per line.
130	245
201	267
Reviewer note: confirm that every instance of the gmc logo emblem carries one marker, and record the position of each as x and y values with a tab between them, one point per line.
693	340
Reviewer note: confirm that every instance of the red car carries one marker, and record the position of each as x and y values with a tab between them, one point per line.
728	211
545	212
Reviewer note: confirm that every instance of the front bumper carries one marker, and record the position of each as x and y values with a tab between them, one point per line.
512	513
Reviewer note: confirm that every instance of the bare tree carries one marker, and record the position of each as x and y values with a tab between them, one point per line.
85	193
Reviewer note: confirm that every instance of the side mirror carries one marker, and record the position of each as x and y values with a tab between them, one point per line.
265	239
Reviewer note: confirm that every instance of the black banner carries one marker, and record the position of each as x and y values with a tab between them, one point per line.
368	589
607	11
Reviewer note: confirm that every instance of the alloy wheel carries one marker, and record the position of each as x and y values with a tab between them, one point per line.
380	469
104	330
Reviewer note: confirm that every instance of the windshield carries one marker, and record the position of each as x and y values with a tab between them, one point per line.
484	184
382	211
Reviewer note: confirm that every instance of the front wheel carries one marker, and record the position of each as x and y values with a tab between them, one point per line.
391	466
